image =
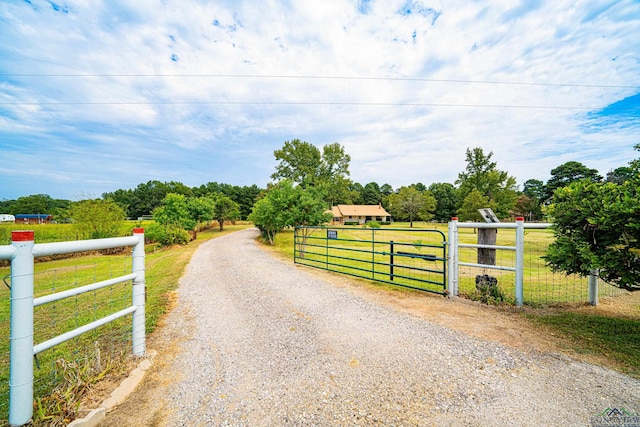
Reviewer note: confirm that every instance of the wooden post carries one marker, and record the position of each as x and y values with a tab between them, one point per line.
487	236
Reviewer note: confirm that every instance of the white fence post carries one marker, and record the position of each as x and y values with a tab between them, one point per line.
519	261
138	294
21	329
452	281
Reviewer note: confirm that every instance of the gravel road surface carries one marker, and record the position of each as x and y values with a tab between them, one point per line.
268	343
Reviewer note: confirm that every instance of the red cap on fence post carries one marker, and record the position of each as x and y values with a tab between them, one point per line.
455	218
138	230
519	218
22	236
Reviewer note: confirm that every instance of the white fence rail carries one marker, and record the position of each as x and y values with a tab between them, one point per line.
22	253
454	262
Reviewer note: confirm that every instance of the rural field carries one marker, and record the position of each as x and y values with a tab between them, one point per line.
607	334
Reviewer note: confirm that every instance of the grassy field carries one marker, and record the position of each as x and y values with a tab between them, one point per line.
610	331
70	370
542	287
555	302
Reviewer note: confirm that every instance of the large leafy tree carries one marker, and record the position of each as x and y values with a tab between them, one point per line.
287	205
534	189
528	207
245	196
567	173
409	203
482	174
620	175
224	209
175	212
446	200
472	202
35	204
201	210
597	228
306	166
146	196
299	162
357	193
371	194
97	218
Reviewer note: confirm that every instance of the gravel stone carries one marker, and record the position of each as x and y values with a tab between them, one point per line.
269	344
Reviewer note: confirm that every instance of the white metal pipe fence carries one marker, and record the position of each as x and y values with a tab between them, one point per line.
22	253
529	272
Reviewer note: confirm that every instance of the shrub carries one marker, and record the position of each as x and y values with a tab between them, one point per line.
167	235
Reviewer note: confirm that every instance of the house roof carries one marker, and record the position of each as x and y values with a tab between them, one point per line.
32	216
358	210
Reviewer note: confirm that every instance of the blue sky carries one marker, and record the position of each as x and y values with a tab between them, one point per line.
97	96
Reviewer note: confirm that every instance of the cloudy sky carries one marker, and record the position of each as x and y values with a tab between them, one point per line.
97	96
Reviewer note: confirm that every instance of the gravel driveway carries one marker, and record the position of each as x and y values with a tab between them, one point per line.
267	343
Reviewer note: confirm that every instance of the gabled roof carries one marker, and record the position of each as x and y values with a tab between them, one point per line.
359	210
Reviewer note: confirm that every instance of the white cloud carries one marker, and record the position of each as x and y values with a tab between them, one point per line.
173	83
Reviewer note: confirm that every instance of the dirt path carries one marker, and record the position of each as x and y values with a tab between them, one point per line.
254	340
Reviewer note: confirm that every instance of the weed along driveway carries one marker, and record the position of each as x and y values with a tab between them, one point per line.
256	341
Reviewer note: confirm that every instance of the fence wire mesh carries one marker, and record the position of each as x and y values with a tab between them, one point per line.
80	361
541	286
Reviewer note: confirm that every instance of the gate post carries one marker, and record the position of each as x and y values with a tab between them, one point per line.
452	262
21	330
519	261
138	294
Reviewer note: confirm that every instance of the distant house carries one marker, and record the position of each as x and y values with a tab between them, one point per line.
360	214
33	218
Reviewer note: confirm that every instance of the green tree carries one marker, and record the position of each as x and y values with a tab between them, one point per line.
245	196
174	212
97	218
386	190
597	228
446	200
357	190
469	209
285	205
534	189
224	209
567	173
412	204
305	165
372	194
419	186
37	204
528	207
299	161
620	175
201	210
481	174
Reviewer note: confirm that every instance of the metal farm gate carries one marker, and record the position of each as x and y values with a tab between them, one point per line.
412	258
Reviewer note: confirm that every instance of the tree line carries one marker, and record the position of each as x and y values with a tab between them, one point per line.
596	219
482	184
